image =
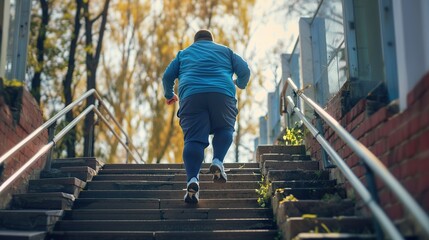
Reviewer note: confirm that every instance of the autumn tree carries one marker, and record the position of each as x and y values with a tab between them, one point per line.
91	61
140	39
40	46
119	69
68	79
145	38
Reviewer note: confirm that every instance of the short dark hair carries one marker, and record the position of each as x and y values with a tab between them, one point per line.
203	35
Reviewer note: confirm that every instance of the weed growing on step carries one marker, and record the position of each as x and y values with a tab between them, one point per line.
308	215
318	174
288	198
323	228
331	197
279	235
293	136
264	193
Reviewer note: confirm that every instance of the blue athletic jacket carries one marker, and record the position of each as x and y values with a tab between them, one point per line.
205	66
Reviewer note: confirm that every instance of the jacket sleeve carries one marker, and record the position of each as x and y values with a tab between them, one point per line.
170	75
241	69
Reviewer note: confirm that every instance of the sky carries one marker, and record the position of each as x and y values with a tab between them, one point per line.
273	30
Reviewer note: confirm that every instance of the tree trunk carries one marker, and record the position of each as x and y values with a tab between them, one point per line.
35	82
67	82
92	60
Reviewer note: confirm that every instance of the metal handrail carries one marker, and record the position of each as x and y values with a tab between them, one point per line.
45	148
60	114
44	126
61	134
124	144
348	173
127	142
372	162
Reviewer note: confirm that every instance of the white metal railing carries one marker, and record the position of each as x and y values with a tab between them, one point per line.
370	160
126	144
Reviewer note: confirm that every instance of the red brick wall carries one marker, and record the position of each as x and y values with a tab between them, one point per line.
400	141
31	118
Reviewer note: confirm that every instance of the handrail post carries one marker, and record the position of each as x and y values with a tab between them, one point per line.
295	98
325	159
128	145
51	135
292	112
91	140
91	133
372	188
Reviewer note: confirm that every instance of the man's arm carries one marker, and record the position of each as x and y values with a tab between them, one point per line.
241	69
170	74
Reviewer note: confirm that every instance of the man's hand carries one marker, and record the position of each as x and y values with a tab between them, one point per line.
172	100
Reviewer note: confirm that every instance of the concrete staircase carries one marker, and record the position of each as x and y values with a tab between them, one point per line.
127	201
307	204
146	202
33	214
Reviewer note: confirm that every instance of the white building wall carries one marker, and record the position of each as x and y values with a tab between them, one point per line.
306	62
5	11
425	20
411	33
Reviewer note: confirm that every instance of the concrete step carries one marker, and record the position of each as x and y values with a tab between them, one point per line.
22	235
165	185
54	200
29	220
165	225
257	234
297	225
128	201
279	149
334	236
167	235
315	207
309	193
83	173
282	157
77	162
172	177
175	166
169	194
287	175
329	193
178	171
303	184
289	165
136	203
167	214
285	157
212	203
67	185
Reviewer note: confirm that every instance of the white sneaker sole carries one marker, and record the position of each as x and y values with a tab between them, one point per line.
217	175
191	194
